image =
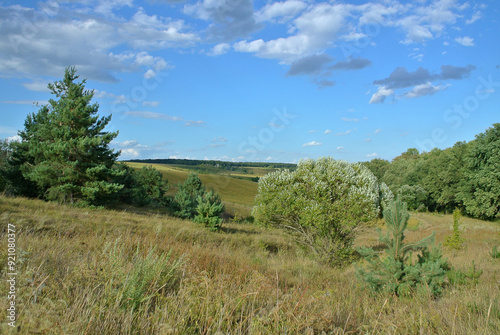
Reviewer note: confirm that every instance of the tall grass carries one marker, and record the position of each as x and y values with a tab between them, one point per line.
116	272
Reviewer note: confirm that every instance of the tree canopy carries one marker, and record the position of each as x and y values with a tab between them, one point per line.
64	149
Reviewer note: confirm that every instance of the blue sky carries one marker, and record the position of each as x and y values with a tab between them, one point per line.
271	81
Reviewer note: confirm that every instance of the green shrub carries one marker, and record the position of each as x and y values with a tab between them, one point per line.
209	209
321	205
396	272
455	241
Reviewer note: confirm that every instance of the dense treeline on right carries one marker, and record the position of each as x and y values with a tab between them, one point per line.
465	176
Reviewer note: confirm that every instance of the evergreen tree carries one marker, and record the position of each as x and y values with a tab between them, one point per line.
398	272
149	186
186	199
209	209
64	148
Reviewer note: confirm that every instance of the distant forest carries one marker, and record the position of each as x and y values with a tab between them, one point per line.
230	166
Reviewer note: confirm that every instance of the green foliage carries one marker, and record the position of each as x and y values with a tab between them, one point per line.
186	198
209	210
5	154
378	167
149	187
394	270
470	277
495	253
481	187
414	196
321	204
455	241
64	148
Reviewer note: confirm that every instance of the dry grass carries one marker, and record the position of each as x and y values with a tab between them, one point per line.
244	280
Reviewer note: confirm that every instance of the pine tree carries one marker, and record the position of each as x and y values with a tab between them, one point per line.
186	199
396	271
209	209
64	148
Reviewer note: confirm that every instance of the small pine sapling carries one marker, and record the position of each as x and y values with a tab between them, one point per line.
393	270
495	253
209	209
455	241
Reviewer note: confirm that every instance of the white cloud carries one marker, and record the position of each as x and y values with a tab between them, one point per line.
191	123
347	132
219	139
349	119
424	89
268	158
315	29
372	155
149	74
476	16
7	130
15	138
45	50
220	49
150	103
382	93
37	85
285	10
466	41
153	115
129	153
340	148
377	131
328	131
311	144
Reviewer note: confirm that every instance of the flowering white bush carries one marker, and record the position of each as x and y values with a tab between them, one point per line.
321	204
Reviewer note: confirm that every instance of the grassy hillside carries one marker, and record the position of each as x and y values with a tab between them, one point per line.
86	271
232	190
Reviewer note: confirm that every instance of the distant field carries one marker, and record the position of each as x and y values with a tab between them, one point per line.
231	189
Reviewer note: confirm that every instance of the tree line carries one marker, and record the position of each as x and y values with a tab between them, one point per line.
465	176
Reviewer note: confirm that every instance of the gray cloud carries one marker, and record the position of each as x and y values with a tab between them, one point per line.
352	64
310	65
456	72
323	83
231	19
401	77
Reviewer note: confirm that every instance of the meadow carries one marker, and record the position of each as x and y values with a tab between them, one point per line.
140	271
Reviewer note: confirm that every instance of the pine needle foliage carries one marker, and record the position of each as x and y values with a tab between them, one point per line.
209	209
394	270
186	198
64	151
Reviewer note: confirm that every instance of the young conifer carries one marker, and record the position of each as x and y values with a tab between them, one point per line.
394	270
